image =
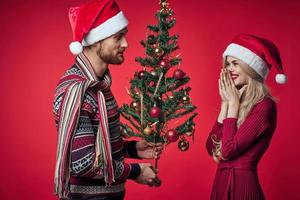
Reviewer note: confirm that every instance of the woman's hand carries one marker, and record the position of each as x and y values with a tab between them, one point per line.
230	93
228	89
221	91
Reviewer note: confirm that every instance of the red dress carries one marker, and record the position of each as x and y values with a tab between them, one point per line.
236	177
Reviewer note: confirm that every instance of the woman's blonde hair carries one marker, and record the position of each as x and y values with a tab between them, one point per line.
255	91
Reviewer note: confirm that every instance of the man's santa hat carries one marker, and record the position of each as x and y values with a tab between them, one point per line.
94	21
260	54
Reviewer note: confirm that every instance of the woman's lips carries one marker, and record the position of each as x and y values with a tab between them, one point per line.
234	76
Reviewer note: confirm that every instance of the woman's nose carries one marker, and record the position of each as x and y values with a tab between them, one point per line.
230	68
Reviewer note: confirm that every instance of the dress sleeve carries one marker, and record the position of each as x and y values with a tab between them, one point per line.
235	140
214	135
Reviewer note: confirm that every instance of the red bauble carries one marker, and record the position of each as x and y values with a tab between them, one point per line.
172	135
164	63
178	74
170	19
154	112
152	83
141	74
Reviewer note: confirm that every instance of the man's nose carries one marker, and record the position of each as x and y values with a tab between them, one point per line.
125	43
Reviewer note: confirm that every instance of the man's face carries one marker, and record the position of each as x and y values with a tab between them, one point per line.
111	49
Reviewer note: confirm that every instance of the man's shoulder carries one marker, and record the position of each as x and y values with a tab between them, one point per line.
70	76
72	71
73	74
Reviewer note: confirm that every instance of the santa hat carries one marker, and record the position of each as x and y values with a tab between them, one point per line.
260	54
93	22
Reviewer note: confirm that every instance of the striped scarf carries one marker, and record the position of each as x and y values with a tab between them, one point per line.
68	118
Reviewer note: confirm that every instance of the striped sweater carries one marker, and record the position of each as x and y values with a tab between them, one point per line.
84	180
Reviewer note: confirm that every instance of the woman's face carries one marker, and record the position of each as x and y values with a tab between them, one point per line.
238	76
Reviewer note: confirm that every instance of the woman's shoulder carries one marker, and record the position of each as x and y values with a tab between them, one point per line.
267	103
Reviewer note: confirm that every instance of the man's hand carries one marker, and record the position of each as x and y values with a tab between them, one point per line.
148	150
148	176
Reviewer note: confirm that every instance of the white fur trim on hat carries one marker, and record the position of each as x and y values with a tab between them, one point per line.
281	78
76	48
249	57
106	29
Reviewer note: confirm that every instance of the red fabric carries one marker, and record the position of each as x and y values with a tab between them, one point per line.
263	48
91	15
242	147
35	54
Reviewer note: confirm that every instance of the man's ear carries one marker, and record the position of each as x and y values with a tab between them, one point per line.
97	45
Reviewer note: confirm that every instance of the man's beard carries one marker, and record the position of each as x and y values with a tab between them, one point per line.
109	58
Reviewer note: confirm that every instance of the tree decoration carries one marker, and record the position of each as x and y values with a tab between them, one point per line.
155	112
161	109
183	144
178	74
147	130
164	63
141	74
172	135
158	52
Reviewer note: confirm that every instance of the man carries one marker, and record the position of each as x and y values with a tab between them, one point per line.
90	154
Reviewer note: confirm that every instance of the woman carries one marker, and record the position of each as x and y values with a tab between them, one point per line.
247	119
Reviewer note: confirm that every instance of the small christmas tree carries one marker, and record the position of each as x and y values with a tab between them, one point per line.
158	91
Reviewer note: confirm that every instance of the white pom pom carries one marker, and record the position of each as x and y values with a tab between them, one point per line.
281	78
76	48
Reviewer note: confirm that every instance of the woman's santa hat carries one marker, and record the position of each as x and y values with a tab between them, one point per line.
94	21
260	54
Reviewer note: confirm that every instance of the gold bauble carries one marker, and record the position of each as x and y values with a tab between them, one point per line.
190	133
124	133
158	51
186	99
183	145
136	106
147	130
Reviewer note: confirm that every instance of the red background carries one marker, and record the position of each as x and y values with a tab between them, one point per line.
34	53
